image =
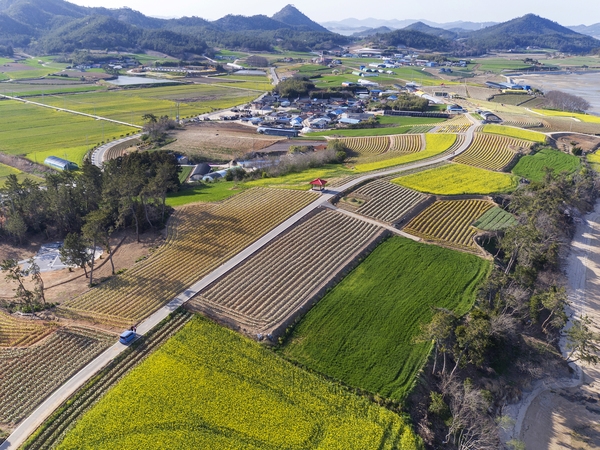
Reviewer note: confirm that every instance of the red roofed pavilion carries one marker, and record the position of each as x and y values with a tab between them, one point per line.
318	182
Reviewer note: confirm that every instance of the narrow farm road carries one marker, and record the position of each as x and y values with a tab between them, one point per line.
62	394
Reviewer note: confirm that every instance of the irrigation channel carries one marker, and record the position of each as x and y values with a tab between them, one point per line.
62	394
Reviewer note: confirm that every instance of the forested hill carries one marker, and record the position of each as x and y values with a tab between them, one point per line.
57	26
531	30
50	26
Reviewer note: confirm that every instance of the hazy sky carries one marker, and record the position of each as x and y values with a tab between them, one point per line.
572	12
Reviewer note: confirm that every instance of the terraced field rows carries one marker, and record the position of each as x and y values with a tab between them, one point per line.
418	129
522	121
407	143
492	152
20	333
266	289
200	239
30	374
366	146
388	202
449	221
458	124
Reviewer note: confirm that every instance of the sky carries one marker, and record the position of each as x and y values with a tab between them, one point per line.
573	12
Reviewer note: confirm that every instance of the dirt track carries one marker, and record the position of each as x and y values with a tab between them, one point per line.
570	418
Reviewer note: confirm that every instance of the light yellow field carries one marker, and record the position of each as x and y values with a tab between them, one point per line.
583	117
515	133
458	179
436	144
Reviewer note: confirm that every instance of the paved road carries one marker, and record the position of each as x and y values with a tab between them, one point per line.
31	423
274	76
97	157
70	111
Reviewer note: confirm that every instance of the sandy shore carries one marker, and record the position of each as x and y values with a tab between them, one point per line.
564	417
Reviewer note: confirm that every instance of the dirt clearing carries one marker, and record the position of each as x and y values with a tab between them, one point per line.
219	141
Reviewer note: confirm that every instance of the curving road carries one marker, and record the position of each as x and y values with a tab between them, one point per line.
97	156
63	393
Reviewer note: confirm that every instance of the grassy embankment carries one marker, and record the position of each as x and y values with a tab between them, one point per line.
209	387
533	167
363	331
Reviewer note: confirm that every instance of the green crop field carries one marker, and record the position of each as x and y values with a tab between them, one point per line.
515	132
458	179
362	332
436	144
384	131
497	65
495	219
208	387
401	120
185	173
38	132
129	105
532	166
210	192
5	171
300	180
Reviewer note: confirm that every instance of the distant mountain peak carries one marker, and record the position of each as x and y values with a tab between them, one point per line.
290	15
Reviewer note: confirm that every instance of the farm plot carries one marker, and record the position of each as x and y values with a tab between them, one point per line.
459	124
566	124
515	133
522	121
386	201
435	145
449	222
367	146
51	432
268	288
121	149
458	179
30	374
200	239
495	219
38	132
363	331
406	143
208	387
533	167
19	332
129	105
492	152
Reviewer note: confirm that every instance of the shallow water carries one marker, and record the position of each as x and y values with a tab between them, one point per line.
586	85
124	80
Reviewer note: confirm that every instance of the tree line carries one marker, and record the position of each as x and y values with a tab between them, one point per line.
479	358
87	206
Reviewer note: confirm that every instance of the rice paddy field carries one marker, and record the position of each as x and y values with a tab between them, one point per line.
38	132
129	105
362	332
533	167
208	387
458	179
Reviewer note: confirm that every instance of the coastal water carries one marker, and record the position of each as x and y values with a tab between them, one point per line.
585	85
124	80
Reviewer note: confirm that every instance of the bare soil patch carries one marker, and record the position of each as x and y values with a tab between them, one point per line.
586	143
62	285
219	141
16	67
